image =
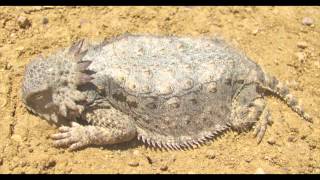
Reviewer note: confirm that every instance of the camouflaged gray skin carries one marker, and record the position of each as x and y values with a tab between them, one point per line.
170	92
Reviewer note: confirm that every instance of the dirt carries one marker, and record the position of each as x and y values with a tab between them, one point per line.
285	41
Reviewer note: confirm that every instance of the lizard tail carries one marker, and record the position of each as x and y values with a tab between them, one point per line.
272	85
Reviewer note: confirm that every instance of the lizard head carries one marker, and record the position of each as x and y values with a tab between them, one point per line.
50	85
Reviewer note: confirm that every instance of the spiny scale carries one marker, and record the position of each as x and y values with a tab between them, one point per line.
195	143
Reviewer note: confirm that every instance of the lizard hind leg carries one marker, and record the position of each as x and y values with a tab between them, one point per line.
247	108
261	126
255	113
244	117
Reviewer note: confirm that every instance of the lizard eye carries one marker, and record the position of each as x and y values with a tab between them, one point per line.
38	97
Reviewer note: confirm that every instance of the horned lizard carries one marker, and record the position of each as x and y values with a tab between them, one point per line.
169	92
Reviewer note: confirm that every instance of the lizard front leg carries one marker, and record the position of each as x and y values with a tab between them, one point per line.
108	126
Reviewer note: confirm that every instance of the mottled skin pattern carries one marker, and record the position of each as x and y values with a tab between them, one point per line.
169	92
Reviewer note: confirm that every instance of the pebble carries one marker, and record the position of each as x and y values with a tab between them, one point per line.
173	158
210	155
302	45
292	139
255	32
307	21
164	168
248	160
16	137
23	163
47	164
303	137
300	56
312	146
271	141
45	20
136	152
24	22
1	161
260	171
150	161
133	164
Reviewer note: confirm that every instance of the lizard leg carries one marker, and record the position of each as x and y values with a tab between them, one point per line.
105	130
246	116
262	125
248	107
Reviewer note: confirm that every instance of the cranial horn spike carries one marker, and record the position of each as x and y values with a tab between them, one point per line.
83	65
80	55
76	47
84	78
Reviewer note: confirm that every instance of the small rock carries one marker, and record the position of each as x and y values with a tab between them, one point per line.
51	163
248	160
1	161
255	32
164	168
307	21
260	171
303	137
291	139
301	57
24	22
173	158
45	20
136	152
133	164
16	137
150	161
312	146
271	141
302	45
294	130
30	150
23	163
210	155
20	50
47	164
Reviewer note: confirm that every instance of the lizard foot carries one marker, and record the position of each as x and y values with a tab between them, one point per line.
74	137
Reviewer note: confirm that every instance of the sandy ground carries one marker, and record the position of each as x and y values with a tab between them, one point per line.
278	38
